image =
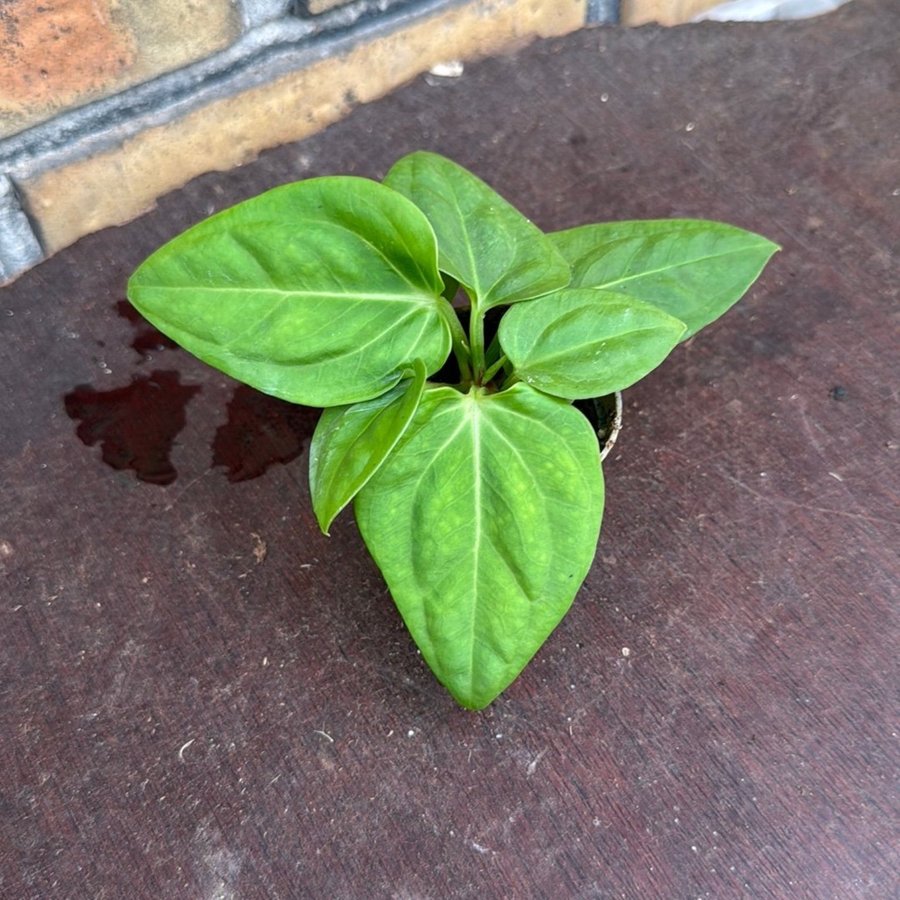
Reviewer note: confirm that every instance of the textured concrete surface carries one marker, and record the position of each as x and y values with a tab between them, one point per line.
59	54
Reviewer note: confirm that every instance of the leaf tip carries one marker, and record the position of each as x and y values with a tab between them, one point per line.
324	520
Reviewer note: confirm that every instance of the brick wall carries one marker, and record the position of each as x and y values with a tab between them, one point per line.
146	94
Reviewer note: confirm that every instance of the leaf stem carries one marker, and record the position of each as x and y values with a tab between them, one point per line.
476	343
493	352
462	360
460	344
494	369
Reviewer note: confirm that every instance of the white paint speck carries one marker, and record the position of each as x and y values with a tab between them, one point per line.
626	651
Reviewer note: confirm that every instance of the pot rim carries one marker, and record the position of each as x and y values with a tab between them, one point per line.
609	431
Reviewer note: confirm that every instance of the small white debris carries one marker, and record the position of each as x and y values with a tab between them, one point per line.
690	126
626	651
604	98
451	68
530	768
411	732
835	476
184	747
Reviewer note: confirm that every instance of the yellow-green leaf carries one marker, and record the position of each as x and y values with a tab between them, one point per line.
486	244
484	521
351	442
692	269
318	292
584	343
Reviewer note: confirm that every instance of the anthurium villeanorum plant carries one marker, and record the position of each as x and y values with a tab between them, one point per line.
447	338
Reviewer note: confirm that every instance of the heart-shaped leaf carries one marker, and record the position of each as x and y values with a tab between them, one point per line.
487	245
584	343
692	269
351	442
484	521
318	292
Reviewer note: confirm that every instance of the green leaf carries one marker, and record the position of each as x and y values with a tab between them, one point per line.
351	442
586	343
484	243
692	269
318	292
484	521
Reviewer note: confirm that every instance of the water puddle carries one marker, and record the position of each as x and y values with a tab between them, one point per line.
261	430
136	425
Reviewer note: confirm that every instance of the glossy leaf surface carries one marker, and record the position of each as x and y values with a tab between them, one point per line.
692	269
484	521
586	343
351	442
486	244
318	292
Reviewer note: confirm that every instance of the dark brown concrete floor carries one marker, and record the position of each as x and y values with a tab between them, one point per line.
203	697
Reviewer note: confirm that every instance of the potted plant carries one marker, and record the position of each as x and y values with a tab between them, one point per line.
476	482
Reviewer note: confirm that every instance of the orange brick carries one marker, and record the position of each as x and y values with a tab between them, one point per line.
55	51
58	54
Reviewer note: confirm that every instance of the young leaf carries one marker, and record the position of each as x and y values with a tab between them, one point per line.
585	343
484	521
318	292
485	244
692	269
351	442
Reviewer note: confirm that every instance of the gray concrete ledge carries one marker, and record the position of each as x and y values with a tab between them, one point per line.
19	246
